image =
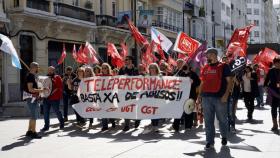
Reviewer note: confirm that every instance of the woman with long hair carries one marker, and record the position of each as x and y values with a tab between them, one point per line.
106	70
154	71
74	85
89	73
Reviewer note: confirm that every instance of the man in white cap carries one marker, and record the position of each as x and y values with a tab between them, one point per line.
214	91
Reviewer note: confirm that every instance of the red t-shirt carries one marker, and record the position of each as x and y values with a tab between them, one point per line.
57	88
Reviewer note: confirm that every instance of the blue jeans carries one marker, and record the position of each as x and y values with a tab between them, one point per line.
33	108
212	106
260	98
66	100
55	106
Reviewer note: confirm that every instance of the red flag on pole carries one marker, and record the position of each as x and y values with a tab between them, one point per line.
185	44
139	38
160	52
81	57
237	45
124	51
112	51
74	52
63	55
265	58
90	52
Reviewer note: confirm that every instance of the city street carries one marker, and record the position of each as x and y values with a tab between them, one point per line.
252	140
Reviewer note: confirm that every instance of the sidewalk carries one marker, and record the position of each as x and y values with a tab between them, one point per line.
253	140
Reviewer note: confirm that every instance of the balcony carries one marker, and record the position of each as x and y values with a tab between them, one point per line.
42	5
75	12
188	7
166	26
106	20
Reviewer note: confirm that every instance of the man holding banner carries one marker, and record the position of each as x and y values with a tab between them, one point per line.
31	87
130	70
214	92
53	100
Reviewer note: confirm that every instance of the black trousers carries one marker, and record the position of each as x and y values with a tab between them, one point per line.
188	121
249	103
275	105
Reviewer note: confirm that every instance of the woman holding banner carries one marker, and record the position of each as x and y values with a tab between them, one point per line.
74	85
154	71
188	118
89	73
106	70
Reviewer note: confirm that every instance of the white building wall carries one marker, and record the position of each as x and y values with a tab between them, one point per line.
258	32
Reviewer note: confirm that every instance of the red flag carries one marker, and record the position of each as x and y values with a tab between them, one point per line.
81	57
124	51
265	58
185	44
160	52
139	38
90	52
148	57
237	45
74	53
112	51
63	55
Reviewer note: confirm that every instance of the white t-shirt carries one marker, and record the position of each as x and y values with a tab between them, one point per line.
246	83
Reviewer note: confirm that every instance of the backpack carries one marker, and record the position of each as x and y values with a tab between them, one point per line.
212	78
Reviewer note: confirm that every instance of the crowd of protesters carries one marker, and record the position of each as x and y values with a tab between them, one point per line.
214	88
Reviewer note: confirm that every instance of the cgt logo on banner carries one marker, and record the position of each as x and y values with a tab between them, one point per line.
133	97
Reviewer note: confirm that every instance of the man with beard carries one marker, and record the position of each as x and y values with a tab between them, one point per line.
31	89
214	91
53	100
129	70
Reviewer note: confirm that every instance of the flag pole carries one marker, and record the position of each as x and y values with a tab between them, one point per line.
24	64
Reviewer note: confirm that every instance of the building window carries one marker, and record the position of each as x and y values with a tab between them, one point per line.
101	7
256	1
223	6
257	34
114	8
256	11
228	11
76	2
249	10
257	22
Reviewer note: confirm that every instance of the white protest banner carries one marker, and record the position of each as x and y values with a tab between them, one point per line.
133	97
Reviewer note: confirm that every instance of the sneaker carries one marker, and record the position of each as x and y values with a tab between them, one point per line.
208	146
224	141
113	125
61	126
137	123
274	128
28	133
44	129
80	125
104	129
65	119
126	128
35	135
155	129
